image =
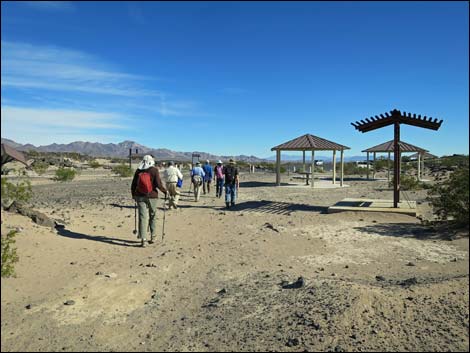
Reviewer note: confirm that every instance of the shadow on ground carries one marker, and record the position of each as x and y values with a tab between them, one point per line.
113	241
406	230
122	206
273	207
259	184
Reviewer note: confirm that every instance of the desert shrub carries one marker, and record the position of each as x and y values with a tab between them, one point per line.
94	164
454	161
9	255
450	198
122	170
381	164
21	191
65	174
40	167
407	182
352	169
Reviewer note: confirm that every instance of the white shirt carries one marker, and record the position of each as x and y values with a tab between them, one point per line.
172	174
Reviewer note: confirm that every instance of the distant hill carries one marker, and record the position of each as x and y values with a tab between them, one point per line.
96	149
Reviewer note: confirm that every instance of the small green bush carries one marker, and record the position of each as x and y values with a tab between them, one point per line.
94	164
40	167
352	169
21	191
9	255
407	182
450	199
65	174
122	170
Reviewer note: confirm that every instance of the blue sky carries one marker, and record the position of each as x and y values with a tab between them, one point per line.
232	77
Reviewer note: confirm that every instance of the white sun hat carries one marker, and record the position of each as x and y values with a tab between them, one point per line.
146	162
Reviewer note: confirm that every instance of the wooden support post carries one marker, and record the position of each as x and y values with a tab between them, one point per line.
388	168
303	161
422	167
334	166
278	167
419	166
373	172
396	161
313	168
342	168
367	166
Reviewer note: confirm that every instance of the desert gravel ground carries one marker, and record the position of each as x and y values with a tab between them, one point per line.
220	279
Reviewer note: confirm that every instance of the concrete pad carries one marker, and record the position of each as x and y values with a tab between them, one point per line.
374	205
319	184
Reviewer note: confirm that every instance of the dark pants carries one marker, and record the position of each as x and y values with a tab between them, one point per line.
207	183
230	193
219	187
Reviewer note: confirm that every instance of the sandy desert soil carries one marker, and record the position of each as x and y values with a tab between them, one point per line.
372	281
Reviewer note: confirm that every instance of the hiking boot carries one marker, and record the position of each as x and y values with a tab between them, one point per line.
233	204
227	205
142	244
151	241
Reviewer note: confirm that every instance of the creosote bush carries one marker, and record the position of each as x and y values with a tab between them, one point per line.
122	170
9	255
21	191
450	198
94	164
407	182
65	174
40	167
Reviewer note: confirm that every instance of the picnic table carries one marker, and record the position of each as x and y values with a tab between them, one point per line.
307	174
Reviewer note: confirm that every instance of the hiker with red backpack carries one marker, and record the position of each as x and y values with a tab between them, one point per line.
144	191
231	184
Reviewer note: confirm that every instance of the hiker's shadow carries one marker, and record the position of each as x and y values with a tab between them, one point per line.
114	241
122	206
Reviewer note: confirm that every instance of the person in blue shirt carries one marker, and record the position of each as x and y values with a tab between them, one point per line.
197	178
208	178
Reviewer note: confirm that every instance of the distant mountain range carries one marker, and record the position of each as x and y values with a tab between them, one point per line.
96	149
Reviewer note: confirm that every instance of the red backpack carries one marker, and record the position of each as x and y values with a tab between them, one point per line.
144	183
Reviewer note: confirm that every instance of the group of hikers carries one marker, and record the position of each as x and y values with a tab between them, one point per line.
147	182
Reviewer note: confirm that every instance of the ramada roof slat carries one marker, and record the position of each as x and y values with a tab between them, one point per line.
396	116
309	142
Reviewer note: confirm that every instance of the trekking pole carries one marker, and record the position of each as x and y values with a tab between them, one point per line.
135	217
164	213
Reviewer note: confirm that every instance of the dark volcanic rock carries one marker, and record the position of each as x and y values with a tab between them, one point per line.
294	285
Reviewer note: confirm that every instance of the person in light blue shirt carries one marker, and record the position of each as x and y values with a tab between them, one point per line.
208	178
197	178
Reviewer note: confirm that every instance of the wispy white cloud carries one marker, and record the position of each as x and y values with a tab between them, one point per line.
50	5
39	126
60	118
52	68
50	92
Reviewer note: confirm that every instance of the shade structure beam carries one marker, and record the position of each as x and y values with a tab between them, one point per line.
396	118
